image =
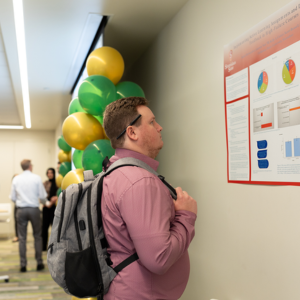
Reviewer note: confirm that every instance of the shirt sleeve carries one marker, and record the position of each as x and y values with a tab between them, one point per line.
13	193
159	240
42	191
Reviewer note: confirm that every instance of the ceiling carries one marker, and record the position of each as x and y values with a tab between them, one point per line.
53	29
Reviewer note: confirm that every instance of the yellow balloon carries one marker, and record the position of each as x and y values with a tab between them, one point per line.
106	61
70	156
58	180
64	156
80	129
75	176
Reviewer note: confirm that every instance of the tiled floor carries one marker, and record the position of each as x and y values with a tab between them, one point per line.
31	285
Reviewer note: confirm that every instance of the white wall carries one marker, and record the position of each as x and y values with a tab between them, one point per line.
57	134
16	145
247	241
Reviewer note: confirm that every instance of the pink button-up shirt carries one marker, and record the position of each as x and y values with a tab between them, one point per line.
139	216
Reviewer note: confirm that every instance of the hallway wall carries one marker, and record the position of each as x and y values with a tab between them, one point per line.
247	241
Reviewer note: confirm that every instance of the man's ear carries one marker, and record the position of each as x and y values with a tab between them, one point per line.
131	133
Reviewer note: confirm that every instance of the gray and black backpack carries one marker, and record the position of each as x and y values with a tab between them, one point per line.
77	257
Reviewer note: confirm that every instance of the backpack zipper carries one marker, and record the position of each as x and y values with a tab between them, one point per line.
61	215
92	242
75	218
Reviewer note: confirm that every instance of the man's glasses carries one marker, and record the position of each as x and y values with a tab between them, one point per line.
128	126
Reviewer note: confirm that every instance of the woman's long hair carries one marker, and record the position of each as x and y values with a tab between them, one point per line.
53	188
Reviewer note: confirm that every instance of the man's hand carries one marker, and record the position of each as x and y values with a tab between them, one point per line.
48	204
185	201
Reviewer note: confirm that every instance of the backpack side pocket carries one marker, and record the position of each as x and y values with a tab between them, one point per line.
56	258
81	274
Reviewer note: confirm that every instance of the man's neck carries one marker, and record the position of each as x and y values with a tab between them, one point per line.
138	150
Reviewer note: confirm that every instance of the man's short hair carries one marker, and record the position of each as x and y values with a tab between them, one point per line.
118	115
25	164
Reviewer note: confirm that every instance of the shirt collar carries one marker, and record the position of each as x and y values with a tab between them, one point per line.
122	153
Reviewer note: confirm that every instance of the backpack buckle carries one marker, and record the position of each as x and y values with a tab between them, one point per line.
108	260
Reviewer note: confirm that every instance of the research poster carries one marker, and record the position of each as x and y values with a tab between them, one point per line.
262	101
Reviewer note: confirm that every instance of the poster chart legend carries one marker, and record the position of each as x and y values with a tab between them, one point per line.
262	101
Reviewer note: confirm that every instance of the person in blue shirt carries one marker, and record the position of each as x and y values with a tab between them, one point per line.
27	191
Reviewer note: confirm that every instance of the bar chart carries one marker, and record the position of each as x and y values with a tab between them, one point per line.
297	147
292	148
288	149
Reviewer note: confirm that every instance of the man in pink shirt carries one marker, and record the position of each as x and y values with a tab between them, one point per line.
139	214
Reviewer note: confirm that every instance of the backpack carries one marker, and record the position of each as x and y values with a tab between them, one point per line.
77	256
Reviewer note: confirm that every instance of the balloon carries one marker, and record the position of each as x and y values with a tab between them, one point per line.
64	168
80	129
77	159
100	119
95	92
70	156
75	176
58	180
106	61
94	154
128	89
75	106
63	145
63	156
58	192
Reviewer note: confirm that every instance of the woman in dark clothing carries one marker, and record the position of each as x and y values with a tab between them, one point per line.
48	212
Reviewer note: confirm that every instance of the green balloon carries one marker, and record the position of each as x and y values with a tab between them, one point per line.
62	144
100	119
77	158
75	106
95	93
58	192
129	89
95	153
64	168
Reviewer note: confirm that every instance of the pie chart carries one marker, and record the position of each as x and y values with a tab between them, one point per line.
262	83
289	71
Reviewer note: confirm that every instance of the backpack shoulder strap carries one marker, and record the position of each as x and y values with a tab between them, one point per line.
130	161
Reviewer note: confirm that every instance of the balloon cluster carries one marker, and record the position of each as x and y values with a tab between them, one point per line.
82	129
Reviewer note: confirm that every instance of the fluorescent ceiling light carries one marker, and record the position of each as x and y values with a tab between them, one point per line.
11	127
20	33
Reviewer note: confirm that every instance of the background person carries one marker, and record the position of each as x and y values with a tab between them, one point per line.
139	214
26	190
48	211
15	239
